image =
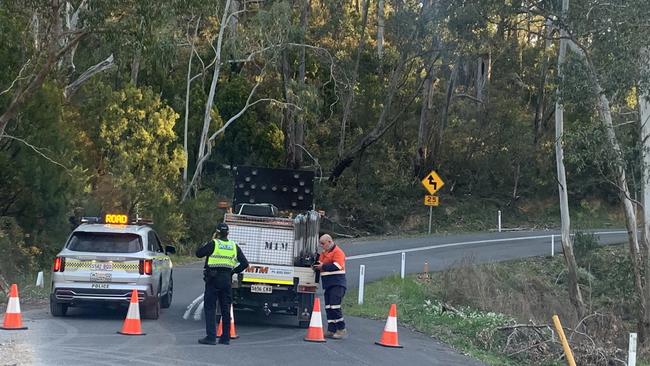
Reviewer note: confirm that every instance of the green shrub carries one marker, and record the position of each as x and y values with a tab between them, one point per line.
201	216
16	256
583	246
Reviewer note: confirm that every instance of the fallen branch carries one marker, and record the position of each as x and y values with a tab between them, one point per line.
517	326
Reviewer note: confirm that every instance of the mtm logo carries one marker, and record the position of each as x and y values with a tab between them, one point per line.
257	269
269	245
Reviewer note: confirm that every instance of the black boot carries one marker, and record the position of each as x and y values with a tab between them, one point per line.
224	341
207	340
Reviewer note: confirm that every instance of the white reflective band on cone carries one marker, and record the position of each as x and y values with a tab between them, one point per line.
391	324
13	306
315	321
134	311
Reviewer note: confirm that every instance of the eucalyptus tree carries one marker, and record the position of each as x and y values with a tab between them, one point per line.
605	42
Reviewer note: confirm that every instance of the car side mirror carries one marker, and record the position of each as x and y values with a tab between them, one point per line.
170	249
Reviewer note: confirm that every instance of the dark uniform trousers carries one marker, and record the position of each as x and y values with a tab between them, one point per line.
217	287
333	298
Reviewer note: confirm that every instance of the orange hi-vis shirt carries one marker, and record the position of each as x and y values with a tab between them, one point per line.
333	272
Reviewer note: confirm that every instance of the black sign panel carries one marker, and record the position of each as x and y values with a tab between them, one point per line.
284	188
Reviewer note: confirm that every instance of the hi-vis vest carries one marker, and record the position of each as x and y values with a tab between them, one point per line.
224	255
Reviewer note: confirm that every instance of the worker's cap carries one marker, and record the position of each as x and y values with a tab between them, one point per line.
222	227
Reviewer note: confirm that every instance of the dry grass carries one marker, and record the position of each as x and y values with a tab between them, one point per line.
532	291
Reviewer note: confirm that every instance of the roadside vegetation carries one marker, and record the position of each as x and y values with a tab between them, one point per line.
501	313
147	108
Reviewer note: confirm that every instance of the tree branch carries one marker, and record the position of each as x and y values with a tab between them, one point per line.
314	159
468	97
37	80
37	150
18	78
202	159
71	89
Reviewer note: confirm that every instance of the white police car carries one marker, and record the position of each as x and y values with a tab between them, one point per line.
104	259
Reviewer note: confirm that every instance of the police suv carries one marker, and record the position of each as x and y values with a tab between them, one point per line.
106	258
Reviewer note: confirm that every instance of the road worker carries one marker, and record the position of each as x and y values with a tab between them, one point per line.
331	264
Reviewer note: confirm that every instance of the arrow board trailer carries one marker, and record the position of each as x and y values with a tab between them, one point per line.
280	252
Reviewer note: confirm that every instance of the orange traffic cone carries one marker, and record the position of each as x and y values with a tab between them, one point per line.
132	322
389	336
315	331
13	319
233	332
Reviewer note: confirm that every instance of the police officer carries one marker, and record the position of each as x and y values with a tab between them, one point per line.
331	265
222	256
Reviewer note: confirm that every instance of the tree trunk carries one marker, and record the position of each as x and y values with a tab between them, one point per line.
644	114
288	116
483	75
188	82
575	295
355	73
234	7
628	208
207	117
422	151
538	126
383	124
300	122
444	114
135	66
380	29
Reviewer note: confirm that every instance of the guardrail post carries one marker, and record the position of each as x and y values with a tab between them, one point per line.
362	275
552	245
39	279
499	220
631	353
403	268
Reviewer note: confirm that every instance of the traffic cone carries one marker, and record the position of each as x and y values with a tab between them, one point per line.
389	336
132	322
315	331
13	319
233	332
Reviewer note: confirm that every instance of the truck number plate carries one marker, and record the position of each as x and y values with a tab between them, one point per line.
262	289
101	267
99	285
100	277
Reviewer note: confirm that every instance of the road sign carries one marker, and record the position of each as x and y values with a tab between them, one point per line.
431	200
432	182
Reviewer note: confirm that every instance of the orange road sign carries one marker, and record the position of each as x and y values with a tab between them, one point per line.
431	200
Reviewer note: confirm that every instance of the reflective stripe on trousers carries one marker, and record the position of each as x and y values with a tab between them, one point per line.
333	298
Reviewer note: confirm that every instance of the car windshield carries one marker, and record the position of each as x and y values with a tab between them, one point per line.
105	242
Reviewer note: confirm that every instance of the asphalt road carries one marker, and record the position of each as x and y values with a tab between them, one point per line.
88	335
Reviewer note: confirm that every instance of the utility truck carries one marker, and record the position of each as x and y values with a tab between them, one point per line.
281	246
